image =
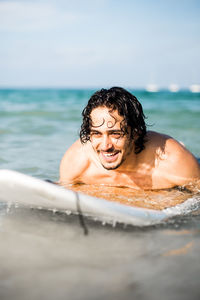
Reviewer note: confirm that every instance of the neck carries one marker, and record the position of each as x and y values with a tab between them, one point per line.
130	161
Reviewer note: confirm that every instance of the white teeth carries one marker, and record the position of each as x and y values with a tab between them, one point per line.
109	154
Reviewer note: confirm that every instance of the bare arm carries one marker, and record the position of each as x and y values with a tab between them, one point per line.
73	164
183	166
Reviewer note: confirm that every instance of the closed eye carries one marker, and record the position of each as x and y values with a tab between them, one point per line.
95	133
116	135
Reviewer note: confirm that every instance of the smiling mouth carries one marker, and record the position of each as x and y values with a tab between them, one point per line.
109	156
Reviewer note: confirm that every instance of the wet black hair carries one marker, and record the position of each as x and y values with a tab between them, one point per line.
127	105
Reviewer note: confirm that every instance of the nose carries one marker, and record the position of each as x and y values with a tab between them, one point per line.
106	143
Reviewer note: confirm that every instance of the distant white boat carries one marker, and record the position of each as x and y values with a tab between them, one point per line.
195	88
152	88
173	88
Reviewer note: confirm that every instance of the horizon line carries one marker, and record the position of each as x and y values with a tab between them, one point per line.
149	87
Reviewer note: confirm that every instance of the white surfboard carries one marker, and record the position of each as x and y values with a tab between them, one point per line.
28	191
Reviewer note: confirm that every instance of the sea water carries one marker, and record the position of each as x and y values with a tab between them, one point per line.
45	254
37	126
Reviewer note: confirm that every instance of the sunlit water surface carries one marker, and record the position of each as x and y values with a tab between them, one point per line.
46	254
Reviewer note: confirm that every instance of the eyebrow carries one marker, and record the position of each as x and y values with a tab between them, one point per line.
110	130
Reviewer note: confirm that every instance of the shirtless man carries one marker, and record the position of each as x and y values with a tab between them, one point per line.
115	148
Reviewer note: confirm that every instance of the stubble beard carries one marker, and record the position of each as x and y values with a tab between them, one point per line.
121	162
112	168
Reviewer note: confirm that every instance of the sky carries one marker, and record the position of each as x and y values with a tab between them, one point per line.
99	43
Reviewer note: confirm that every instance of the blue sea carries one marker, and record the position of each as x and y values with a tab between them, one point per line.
38	125
45	254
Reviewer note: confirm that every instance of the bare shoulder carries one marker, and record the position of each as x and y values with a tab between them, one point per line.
73	163
178	164
157	138
184	162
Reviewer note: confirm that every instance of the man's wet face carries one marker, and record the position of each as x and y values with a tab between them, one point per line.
107	138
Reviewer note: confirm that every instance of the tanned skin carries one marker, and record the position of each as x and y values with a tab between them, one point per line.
109	158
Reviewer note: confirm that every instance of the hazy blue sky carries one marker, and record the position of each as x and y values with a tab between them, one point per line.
99	43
